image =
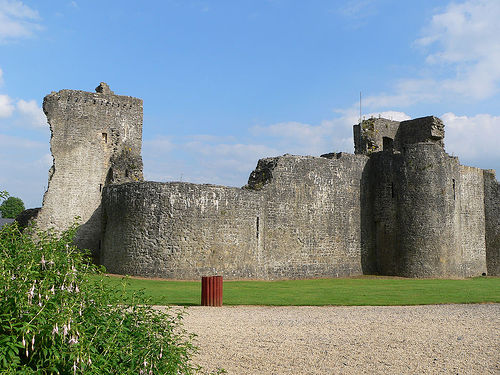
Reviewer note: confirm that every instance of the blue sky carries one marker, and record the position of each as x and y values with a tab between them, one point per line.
225	83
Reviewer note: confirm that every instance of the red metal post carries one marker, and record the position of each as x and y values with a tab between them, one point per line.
219	290
216	290
211	290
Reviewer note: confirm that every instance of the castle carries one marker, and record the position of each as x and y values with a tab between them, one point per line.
399	206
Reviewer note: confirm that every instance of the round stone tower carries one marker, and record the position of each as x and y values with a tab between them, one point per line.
427	212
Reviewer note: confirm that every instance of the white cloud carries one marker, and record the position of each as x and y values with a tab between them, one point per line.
1	77
17	20
466	36
463	57
225	160
45	161
239	157
299	138
31	164
32	113
17	143
6	106
158	145
357	9
330	135
391	115
202	158
473	137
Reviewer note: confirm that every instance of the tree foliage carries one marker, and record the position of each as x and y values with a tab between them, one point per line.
55	320
11	207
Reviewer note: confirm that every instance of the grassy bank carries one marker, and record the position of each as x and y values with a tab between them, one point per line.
320	292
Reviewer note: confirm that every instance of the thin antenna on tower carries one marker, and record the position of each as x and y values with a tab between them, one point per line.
360	107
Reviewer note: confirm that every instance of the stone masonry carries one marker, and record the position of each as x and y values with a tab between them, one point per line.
96	140
399	206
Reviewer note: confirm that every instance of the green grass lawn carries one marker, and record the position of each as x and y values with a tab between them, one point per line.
321	292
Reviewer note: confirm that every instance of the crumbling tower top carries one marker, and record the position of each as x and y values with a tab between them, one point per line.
380	134
103	88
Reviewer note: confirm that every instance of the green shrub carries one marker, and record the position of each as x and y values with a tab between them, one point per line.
53	319
11	207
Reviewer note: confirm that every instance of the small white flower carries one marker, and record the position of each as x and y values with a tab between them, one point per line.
24	341
55	330
31	293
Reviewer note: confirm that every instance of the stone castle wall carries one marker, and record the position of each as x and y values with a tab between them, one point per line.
427	214
181	230
470	231
312	217
96	139
280	226
432	196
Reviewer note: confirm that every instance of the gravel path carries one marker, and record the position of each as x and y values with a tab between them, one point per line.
436	339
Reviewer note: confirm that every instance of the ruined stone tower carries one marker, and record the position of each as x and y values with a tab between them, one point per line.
431	216
96	140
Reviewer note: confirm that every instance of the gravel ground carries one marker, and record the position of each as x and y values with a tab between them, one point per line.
435	339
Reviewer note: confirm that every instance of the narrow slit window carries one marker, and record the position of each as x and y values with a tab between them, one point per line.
454	190
105	137
100	187
257	227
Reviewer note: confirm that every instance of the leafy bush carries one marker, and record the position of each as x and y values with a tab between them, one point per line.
11	207
53	319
